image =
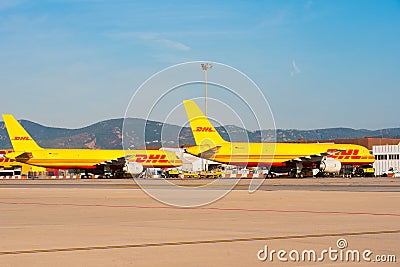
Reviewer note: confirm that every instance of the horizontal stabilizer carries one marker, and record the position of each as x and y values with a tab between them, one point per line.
203	151
19	156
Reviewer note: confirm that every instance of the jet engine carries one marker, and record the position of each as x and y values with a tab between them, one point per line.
330	165
134	168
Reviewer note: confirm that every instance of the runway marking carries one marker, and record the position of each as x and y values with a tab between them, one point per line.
196	242
205	208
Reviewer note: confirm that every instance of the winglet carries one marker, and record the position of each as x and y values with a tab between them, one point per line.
19	137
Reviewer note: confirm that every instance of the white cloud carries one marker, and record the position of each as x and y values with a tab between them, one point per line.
173	44
296	69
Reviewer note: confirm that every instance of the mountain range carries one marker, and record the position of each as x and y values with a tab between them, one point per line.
108	134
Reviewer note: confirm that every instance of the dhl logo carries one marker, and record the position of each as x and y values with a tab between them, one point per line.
4	159
152	158
347	154
204	129
21	138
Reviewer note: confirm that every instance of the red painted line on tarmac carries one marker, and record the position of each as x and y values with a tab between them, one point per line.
311	211
203	208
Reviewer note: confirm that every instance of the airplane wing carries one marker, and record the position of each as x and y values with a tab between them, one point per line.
316	157
117	162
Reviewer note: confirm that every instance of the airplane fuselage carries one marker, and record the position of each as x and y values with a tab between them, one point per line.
278	154
89	159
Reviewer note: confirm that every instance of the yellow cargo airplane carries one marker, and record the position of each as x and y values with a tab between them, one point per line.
27	151
281	157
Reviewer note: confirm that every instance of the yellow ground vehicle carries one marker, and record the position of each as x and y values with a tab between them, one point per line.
172	173
210	174
191	175
365	170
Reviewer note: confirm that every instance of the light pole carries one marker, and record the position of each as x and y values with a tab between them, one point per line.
205	67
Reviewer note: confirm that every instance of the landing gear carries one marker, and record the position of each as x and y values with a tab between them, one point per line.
270	175
297	175
86	175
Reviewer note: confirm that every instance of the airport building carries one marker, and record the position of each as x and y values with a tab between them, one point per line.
386	157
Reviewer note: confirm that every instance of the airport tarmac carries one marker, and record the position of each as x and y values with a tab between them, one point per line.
379	184
113	223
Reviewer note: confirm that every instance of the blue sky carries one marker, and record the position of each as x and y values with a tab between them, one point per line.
319	63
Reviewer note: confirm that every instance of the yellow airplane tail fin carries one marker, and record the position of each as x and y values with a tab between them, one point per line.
203	131
20	139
